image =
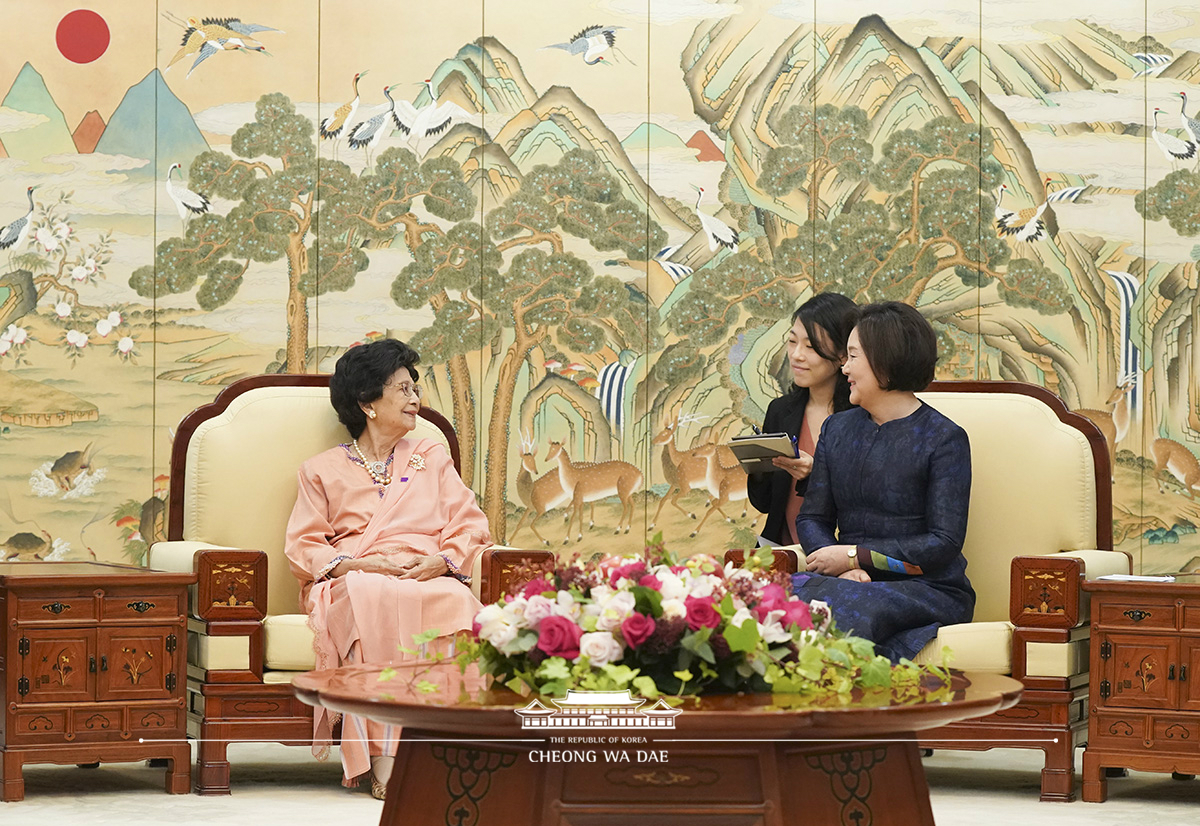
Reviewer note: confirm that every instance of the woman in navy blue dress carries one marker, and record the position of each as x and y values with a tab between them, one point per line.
885	514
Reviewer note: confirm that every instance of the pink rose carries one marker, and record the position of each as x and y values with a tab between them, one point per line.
536	587
636	629
701	613
650	581
559	637
796	613
773	596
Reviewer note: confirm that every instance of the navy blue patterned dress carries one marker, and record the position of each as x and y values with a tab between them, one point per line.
901	491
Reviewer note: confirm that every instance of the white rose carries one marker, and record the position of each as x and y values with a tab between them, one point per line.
62	309
103	328
499	634
600	647
114	318
672	608
616	610
90	265
62	231
489	613
77	338
125	345
601	594
79	273
537	608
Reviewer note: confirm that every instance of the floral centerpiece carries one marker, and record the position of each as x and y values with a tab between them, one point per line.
657	625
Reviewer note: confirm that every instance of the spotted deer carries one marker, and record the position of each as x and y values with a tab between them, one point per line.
592	481
683	469
539	495
1113	420
726	483
1176	459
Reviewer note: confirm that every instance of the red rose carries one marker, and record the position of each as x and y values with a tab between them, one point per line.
636	629
559	637
650	581
536	587
796	613
701	613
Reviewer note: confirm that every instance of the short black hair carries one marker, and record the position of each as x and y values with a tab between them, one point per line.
834	315
360	374
899	345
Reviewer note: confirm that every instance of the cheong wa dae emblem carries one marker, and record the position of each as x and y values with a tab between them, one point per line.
597	709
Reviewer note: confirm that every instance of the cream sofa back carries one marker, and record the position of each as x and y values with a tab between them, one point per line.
241	474
1033	488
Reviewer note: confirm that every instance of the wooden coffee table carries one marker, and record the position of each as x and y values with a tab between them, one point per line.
465	757
92	668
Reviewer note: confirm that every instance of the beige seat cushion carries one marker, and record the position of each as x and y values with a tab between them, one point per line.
974	646
288	643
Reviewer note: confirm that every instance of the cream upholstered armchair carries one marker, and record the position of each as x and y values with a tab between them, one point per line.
233	484
1040	523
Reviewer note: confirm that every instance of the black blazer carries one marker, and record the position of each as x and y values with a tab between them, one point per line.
769	492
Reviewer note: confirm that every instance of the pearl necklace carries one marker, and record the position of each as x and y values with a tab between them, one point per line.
378	470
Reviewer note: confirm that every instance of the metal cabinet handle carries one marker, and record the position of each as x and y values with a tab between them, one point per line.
92	664
104	666
1182	673
1171	672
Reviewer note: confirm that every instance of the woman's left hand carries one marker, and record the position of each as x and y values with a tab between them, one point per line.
422	568
831	560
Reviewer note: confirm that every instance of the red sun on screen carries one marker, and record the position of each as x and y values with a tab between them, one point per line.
82	36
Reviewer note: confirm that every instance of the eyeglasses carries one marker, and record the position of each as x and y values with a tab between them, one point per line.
412	391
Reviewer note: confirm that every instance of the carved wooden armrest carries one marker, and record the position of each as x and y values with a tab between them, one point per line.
231	585
504	569
231	601
1044	592
786	561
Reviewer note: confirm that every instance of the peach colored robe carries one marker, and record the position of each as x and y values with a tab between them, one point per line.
367	617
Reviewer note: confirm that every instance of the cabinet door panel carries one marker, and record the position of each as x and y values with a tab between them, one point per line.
58	665
1189	676
134	664
1138	669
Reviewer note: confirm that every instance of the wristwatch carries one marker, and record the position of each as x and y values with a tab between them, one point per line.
852	553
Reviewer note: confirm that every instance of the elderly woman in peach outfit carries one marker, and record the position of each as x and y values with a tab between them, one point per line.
381	536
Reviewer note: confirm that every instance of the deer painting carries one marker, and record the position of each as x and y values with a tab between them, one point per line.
592	481
683	469
726	483
1113	420
539	495
1176	459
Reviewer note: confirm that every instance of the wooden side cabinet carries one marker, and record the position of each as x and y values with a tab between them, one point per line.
92	658
1145	669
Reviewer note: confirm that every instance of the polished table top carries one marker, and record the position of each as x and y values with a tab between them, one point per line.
437	696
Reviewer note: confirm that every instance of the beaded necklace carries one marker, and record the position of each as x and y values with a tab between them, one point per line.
378	470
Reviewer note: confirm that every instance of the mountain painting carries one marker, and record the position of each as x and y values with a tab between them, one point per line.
595	242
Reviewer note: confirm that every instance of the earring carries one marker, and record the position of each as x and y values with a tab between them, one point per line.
371	414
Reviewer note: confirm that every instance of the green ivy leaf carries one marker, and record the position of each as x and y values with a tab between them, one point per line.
744	637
